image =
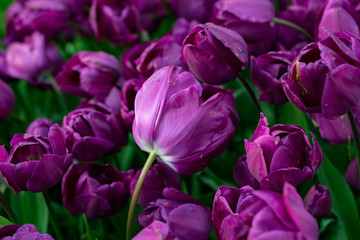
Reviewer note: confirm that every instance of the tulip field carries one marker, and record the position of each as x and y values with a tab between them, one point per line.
179	120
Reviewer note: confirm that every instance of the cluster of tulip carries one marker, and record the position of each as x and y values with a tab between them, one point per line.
88	87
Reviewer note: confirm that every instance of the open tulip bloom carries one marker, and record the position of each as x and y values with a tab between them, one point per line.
173	121
88	88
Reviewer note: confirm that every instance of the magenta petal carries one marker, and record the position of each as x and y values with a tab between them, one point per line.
157	89
57	140
48	172
262	128
255	160
233	228
300	216
275	180
266	223
219	73
190	221
156	230
3	154
341	91
91	148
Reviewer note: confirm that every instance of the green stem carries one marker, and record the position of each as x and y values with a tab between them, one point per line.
8	209
87	227
54	223
355	136
135	197
250	92
293	26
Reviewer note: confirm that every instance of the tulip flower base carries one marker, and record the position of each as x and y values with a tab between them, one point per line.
250	109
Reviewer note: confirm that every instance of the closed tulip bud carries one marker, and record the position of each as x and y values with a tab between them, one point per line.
281	154
118	21
26	231
97	190
186	218
89	74
35	163
247	214
318	201
7	100
32	57
93	130
223	50
40	127
337	16
158	177
172	120
266	71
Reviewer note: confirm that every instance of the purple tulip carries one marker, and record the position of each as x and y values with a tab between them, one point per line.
40	127
303	13
337	16
158	177
281	154
300	85
247	214
128	60
186	218
352	175
242	175
118	21
89	74
336	131
324	72
46	17
164	52
26	231
181	29
93	130
250	19
35	163
7	100
95	189
29	59
318	201
173	121
199	10
266	71
127	100
223	50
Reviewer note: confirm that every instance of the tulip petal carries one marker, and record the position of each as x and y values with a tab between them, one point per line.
190	221
157	230
341	91
299	215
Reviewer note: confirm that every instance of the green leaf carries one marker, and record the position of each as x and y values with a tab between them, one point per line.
31	207
4	221
343	202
